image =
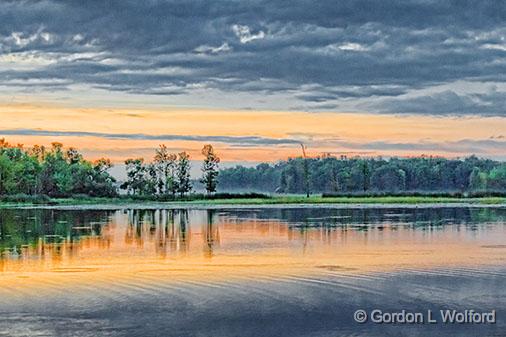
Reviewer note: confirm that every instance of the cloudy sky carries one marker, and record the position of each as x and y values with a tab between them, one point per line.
255	78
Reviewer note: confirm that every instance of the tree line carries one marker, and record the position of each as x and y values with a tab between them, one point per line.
63	172
53	171
327	174
169	173
56	171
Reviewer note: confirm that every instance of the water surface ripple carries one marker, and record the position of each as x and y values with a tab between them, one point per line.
248	271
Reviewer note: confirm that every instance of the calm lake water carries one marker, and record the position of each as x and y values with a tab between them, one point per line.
293	271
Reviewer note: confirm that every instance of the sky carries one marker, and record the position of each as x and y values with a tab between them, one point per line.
255	78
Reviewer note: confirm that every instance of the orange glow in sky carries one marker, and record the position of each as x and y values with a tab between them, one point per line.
337	133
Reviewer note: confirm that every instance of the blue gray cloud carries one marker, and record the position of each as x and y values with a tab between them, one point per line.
495	146
234	140
386	55
448	103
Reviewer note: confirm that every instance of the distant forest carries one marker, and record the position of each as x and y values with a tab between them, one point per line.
62	172
345	175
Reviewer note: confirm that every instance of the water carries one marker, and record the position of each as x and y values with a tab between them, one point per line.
248	271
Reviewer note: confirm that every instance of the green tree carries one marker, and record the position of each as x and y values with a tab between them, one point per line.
210	168
477	179
497	178
360	175
166	166
307	178
103	183
135	176
184	184
56	172
283	183
6	176
389	178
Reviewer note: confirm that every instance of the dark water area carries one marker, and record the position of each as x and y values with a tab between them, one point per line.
249	272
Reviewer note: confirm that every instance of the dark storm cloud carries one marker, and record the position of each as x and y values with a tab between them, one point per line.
321	52
238	140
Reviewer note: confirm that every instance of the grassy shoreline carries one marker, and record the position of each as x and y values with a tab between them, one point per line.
275	200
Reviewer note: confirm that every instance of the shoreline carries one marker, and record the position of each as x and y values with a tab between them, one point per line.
275	202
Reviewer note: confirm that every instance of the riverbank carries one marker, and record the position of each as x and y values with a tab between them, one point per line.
274	200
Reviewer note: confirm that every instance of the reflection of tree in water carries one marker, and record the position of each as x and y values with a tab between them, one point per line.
211	234
177	232
51	234
133	233
54	235
168	229
368	215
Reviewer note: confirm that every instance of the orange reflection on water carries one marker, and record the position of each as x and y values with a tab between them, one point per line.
209	245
